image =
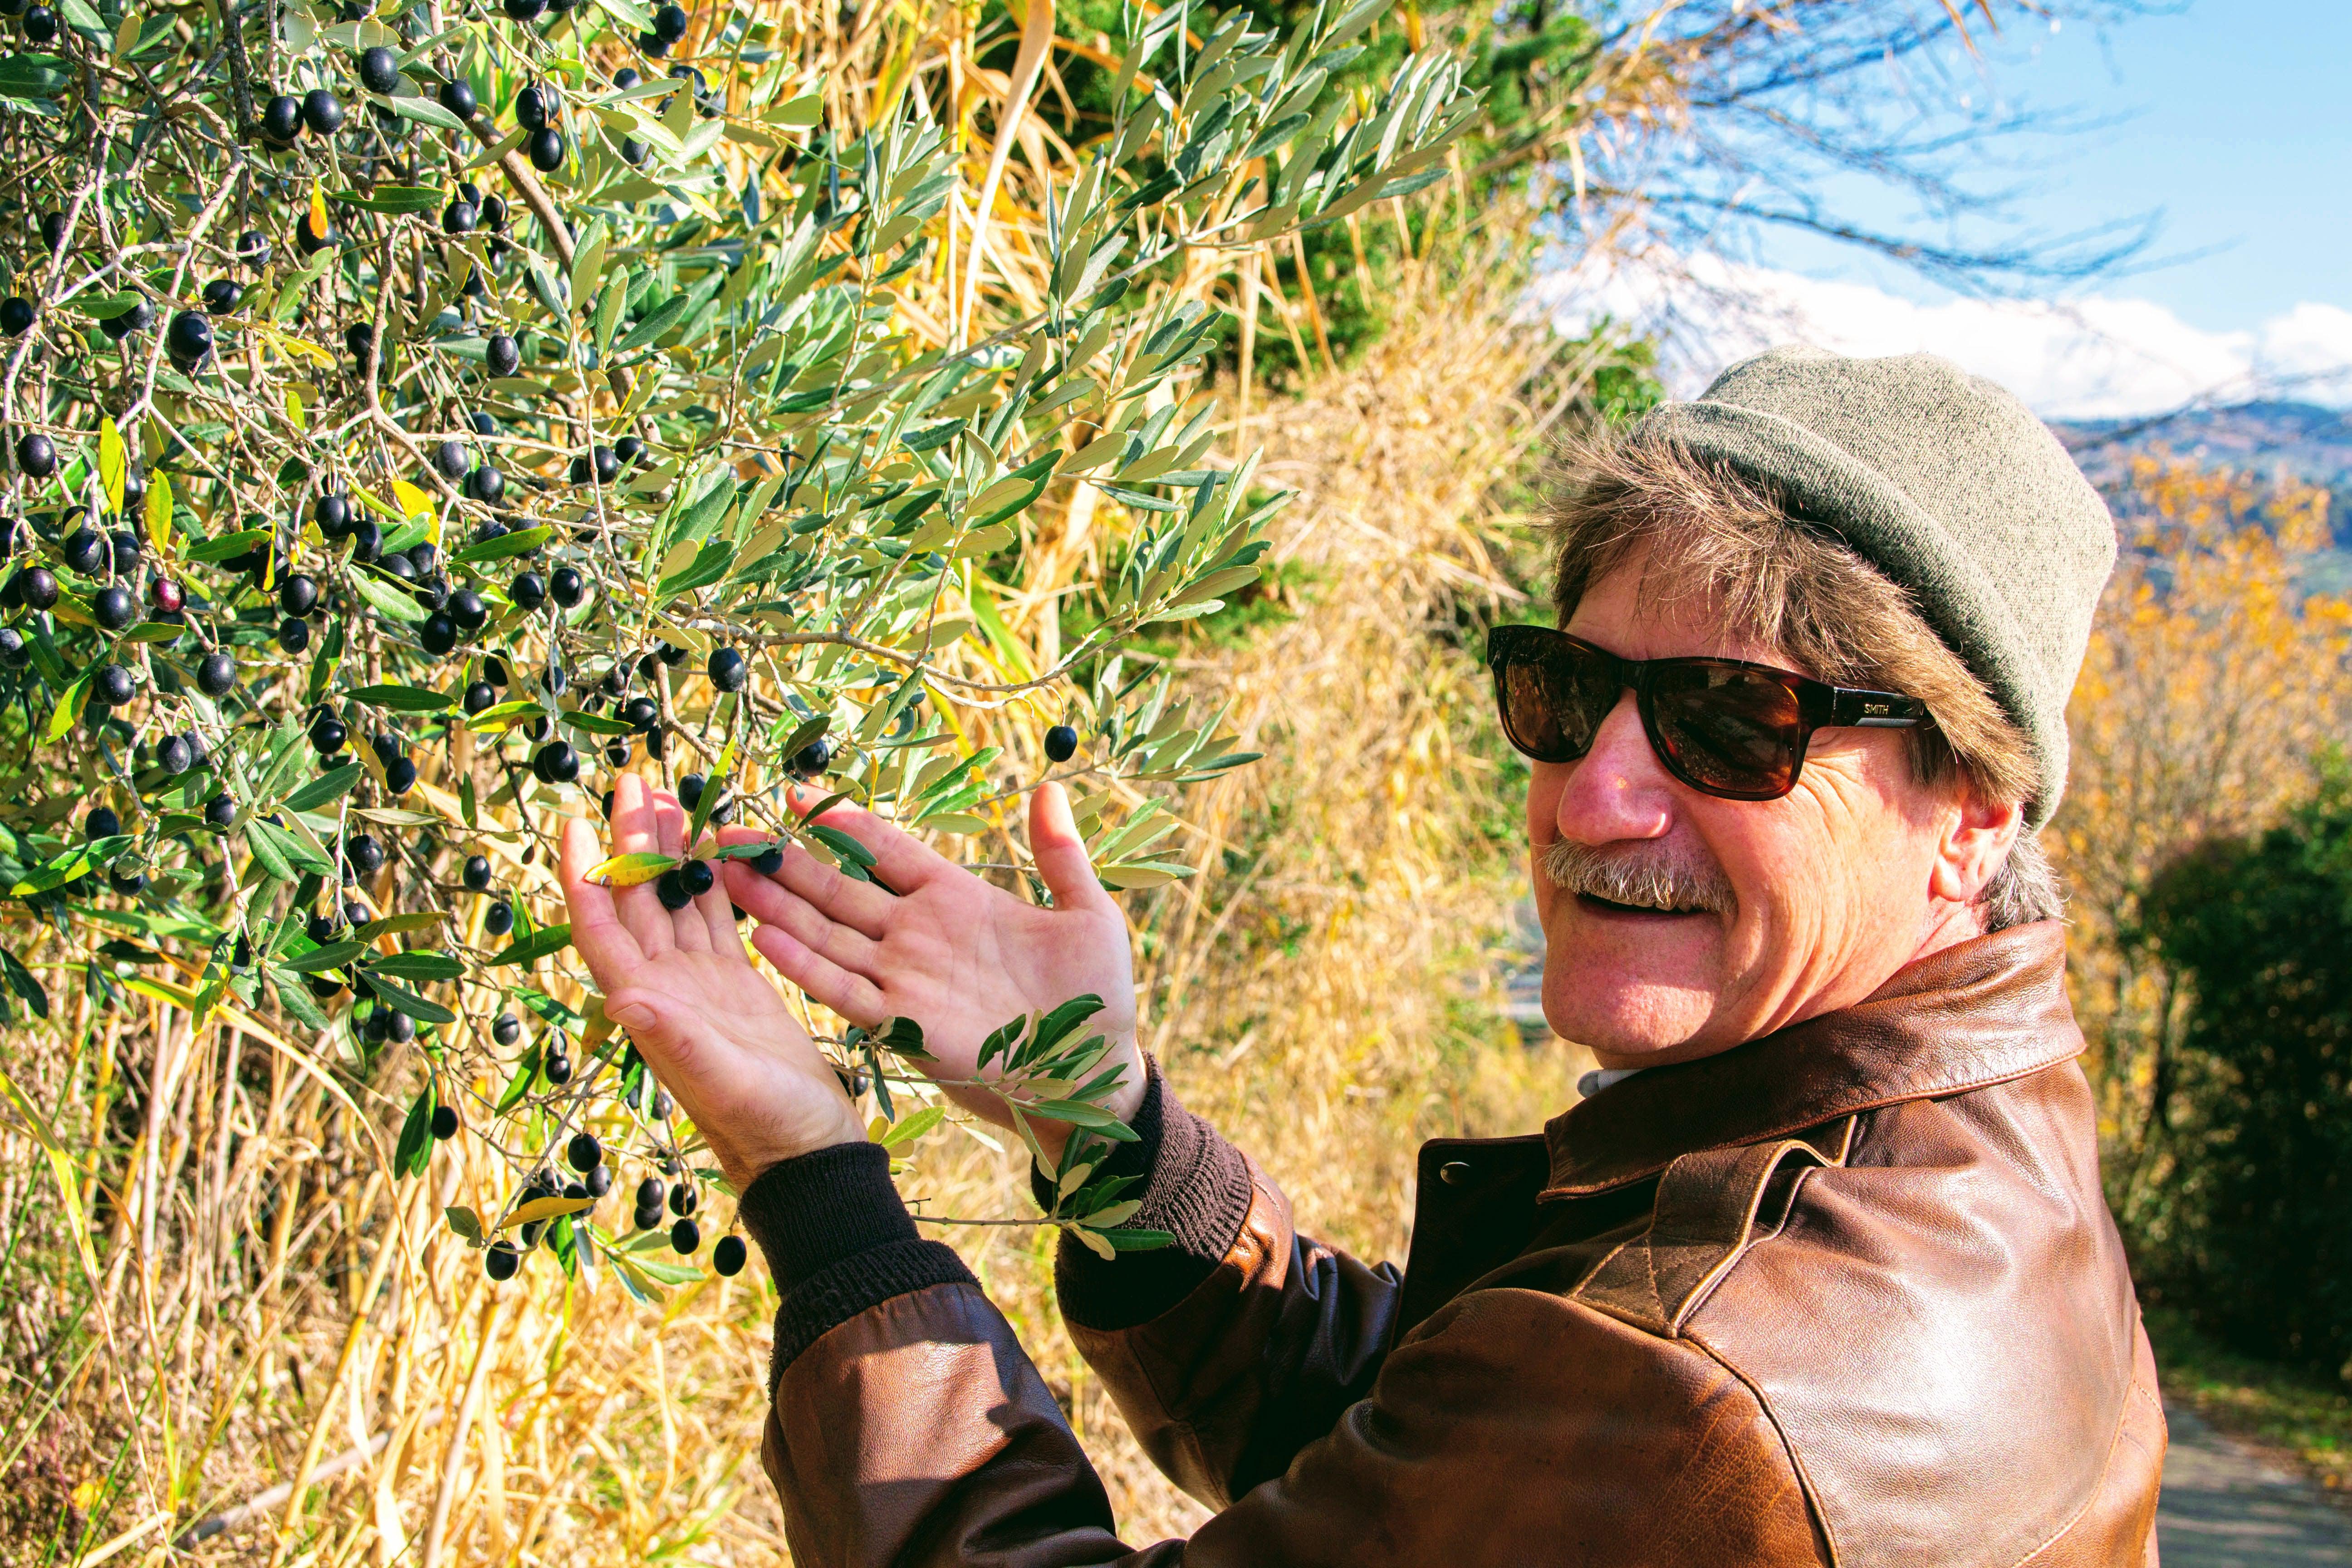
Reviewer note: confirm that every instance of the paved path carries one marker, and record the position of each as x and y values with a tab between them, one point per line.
2225	1507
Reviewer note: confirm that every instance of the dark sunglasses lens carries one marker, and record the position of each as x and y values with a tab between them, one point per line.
1553	699
1728	732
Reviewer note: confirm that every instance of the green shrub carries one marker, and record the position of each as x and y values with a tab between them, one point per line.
2250	1231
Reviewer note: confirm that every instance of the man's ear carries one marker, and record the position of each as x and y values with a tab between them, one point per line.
1973	847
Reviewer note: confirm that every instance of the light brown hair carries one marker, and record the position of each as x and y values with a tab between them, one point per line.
1698	530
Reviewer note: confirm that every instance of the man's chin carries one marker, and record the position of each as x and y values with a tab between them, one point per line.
1629	984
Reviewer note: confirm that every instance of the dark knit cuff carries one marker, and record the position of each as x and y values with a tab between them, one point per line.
838	1240
1195	1185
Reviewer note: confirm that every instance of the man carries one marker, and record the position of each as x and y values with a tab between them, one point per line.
1818	1273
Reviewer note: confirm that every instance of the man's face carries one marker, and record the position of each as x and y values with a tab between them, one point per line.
1806	904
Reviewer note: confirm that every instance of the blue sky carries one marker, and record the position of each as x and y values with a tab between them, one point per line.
2230	119
2235	124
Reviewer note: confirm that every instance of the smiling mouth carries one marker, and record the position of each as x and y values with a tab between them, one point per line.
1642	911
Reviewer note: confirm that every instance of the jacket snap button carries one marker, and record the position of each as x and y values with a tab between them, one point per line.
1453	1172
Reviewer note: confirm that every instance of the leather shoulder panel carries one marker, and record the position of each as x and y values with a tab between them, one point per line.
1712	1206
1943	1329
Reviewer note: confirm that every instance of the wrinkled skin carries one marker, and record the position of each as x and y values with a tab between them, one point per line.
1856	872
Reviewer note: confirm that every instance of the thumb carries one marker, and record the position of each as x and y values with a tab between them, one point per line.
1061	853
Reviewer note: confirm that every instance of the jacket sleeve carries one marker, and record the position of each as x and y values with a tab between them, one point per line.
1235	1347
907	1427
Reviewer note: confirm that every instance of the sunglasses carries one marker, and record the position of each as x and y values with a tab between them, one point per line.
1726	728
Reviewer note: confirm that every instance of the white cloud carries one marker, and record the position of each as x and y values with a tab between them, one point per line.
2094	358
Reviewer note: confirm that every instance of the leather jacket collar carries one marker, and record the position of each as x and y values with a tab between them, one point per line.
1988	1009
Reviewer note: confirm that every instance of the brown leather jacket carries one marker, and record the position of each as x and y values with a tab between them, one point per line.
1848	1294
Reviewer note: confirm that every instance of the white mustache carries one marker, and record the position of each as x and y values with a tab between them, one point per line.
1651	877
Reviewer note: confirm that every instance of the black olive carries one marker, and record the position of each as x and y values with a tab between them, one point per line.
138	319
217	675
445	1123
486	485
671	889
507	1029
308	239
112	685
367	540
502	1261
546	150
102	823
524	10
499	919
727	1258
379	69
36	455
14	653
556	762
1061	744
293	636
727	669
583	1152
85	551
685	1236
689	790
478	872
174	756
450	458
566	585
528	592
190	337
466	608
35	587
252	249
628	448
332	513
669	23
322	111
297	594
16	315
502	355
438	635
221	811
113	607
399	776
812	760
459	217
328	734
698	877
479	696
558	1069
221	296
457	98
531	109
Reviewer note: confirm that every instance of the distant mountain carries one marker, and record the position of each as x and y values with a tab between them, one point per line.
2303	439
2300	440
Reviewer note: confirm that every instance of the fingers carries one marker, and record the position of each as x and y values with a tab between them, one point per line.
776	906
635	830
861	906
1061	853
901	862
852	996
603	942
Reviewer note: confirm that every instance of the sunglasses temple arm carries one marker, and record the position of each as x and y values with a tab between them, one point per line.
1875	710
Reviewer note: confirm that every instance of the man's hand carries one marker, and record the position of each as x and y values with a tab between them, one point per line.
717	1033
958	956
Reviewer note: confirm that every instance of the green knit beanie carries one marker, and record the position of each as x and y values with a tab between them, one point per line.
1945	483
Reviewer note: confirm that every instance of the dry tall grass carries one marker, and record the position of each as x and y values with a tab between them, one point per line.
365	1395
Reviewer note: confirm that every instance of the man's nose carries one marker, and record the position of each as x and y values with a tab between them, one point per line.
1617	790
